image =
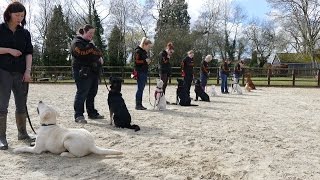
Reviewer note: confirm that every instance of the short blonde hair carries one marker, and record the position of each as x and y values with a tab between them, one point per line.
191	52
145	41
208	58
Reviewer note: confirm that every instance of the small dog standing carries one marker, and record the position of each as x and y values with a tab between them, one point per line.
63	141
118	110
160	99
200	92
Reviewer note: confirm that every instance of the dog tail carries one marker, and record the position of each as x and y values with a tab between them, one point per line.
135	127
102	151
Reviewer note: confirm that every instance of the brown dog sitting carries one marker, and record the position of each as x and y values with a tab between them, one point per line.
249	82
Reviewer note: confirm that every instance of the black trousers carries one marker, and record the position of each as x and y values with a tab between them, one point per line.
188	82
12	81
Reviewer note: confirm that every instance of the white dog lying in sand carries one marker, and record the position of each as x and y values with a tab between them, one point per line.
63	141
160	99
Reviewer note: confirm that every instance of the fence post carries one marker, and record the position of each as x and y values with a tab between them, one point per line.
318	77
243	76
293	77
218	76
269	76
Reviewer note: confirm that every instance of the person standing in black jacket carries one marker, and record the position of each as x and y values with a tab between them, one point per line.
164	65
141	61
187	70
15	67
86	63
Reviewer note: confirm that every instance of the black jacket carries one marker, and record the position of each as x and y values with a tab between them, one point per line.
19	40
140	60
84	53
187	66
164	63
205	68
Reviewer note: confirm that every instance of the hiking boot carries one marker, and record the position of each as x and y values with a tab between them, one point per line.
81	120
21	120
97	116
3	128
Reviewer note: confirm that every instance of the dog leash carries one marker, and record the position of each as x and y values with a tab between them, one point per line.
104	79
27	112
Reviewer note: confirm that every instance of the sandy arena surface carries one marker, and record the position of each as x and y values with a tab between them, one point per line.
272	133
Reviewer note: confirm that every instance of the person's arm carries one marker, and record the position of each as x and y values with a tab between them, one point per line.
13	52
79	50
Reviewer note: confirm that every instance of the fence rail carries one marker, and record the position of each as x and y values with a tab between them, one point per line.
260	76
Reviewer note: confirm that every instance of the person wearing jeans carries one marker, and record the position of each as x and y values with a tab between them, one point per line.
142	62
86	65
224	73
15	68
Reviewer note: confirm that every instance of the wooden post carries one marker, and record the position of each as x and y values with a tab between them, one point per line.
293	77
243	76
318	77
269	76
218	76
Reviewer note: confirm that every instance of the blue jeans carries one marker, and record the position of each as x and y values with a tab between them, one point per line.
87	88
12	81
204	81
224	83
141	83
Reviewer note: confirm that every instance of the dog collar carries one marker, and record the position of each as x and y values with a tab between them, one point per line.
48	124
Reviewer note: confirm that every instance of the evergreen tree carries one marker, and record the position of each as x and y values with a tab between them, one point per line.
174	25
115	50
99	42
56	42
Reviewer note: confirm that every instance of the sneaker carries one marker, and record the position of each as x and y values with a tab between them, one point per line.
81	120
97	116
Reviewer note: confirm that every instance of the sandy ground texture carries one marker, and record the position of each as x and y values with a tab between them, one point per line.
272	133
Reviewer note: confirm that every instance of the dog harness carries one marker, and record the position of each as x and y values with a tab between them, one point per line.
160	92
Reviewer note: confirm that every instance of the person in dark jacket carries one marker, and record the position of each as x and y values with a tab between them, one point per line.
238	71
164	65
141	61
15	68
86	63
224	73
187	70
204	74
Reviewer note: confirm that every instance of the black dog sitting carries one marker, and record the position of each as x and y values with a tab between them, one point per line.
118	110
183	97
200	92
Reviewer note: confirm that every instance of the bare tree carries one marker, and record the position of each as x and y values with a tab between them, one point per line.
263	39
301	18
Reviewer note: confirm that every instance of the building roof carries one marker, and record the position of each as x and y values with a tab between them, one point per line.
297	58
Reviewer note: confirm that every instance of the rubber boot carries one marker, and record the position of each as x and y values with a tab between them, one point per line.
21	125
3	129
139	106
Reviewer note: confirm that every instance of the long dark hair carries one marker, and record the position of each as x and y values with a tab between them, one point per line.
15	7
85	29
